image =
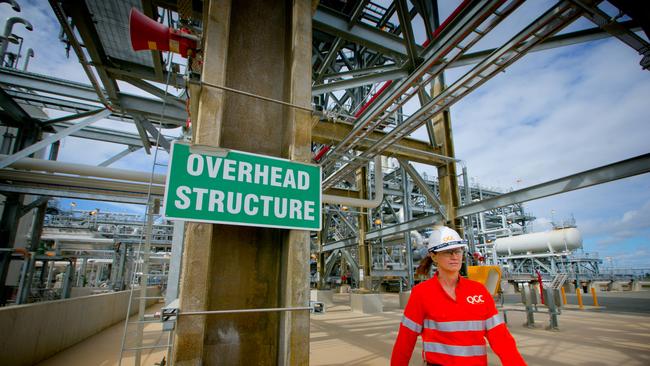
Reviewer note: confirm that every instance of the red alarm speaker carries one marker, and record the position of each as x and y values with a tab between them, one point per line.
148	34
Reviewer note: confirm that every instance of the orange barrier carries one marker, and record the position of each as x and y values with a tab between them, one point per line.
489	276
593	294
579	293
563	295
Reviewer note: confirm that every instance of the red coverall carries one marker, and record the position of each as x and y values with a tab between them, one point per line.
453	331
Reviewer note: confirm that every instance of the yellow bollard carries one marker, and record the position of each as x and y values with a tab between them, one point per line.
563	295
593	294
579	293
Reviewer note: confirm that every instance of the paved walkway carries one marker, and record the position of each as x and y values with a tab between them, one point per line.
594	338
343	337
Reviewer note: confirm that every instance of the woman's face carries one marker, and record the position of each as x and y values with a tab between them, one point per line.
449	260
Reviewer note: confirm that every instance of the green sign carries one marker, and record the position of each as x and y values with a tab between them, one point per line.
234	187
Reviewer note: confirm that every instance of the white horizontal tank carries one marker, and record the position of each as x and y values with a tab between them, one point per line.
560	240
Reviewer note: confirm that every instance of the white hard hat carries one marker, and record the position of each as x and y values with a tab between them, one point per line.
444	238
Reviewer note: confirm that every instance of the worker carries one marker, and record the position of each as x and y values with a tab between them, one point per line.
453	314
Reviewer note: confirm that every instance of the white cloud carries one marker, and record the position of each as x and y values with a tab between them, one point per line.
631	224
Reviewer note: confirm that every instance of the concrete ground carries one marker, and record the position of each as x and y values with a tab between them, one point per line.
594	337
586	337
103	349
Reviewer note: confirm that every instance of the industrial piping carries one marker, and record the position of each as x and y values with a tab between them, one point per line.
357	202
53	166
8	28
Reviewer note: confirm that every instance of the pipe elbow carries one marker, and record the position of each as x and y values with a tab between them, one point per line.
13	3
14	20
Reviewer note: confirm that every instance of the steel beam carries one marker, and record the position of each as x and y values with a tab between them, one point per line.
151	108
566	39
68	118
327	61
151	89
52	138
603	20
424	187
144	138
13	111
407	31
393	73
106	135
619	170
54	185
120	155
374	78
343	243
329	22
155	134
326	132
404	226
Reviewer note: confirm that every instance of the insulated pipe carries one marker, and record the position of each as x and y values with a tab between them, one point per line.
8	27
357	202
53	166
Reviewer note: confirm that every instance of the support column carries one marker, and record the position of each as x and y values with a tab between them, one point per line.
447	174
406	206
263	48
365	284
82	273
8	224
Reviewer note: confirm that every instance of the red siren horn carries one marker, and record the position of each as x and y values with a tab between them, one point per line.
148	34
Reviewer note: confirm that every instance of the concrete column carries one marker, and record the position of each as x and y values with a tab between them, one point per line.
263	48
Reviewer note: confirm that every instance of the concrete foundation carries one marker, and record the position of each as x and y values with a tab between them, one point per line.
366	303
636	286
404	299
617	286
569	288
600	286
324	296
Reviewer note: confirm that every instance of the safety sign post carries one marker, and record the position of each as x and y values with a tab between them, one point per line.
233	187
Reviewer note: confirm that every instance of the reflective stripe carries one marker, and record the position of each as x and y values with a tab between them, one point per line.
457	326
410	324
447	349
494	321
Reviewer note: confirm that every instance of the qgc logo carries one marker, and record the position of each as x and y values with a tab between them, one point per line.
476	299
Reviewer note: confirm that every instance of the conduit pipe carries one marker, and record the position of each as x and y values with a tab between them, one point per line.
357	202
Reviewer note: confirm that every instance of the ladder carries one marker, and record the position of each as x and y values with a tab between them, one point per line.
135	338
141	267
558	280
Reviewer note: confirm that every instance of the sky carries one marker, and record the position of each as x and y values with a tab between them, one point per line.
551	114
